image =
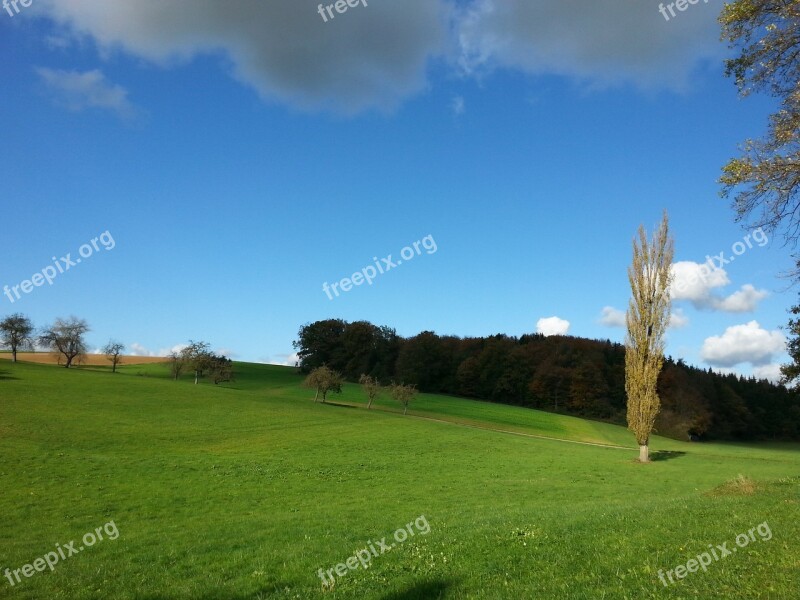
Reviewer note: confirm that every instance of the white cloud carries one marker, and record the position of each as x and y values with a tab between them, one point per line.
136	349
612	317
78	91
603	43
139	350
284	360
747	343
696	283
745	300
677	319
552	326
769	372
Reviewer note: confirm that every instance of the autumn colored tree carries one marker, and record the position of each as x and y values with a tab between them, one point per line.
372	388
765	180
325	380
404	394
647	319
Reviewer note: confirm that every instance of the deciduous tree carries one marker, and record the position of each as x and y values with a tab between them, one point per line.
372	387
647	318
113	351
765	180
16	333
404	394
324	380
66	336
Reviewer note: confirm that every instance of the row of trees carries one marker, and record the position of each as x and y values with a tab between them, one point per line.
563	374
67	337
326	380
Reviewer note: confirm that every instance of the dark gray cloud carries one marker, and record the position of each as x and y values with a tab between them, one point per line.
378	53
602	43
372	56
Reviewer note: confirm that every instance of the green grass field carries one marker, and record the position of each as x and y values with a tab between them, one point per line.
245	490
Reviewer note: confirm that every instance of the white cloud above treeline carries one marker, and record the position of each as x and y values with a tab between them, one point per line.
548	326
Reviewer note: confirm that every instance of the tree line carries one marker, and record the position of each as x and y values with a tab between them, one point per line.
563	374
67	338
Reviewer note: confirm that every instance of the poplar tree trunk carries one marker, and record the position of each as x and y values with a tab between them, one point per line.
644	454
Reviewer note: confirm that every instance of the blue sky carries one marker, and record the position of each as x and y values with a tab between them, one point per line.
241	157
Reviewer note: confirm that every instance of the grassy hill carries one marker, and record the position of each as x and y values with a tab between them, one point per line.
246	490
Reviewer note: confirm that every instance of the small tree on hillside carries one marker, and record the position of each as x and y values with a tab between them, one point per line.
221	369
66	336
324	380
647	319
198	356
177	363
372	388
113	351
16	333
404	394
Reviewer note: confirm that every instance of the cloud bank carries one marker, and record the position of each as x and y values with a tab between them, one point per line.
380	55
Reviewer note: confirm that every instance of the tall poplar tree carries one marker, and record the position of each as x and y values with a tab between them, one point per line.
647	319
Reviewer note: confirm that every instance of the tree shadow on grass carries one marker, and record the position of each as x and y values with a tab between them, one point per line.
423	590
5	375
666	455
329	403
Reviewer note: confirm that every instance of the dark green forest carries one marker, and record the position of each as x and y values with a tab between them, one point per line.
564	374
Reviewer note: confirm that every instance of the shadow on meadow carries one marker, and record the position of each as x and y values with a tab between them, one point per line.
423	590
666	455
6	375
338	405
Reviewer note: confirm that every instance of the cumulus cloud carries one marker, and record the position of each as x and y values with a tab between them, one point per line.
552	326
79	91
369	57
612	317
603	43
748	343
696	283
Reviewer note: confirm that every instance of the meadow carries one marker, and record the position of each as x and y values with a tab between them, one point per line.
245	490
